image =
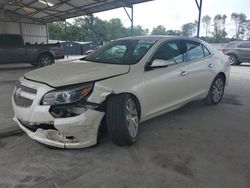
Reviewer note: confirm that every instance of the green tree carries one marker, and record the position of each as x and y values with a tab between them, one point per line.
159	30
206	20
239	19
174	32
115	29
56	31
219	28
138	31
188	29
246	26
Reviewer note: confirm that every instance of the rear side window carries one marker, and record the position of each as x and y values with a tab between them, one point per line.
194	50
244	45
11	41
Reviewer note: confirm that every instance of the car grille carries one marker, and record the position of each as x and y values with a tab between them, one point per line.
22	101
34	128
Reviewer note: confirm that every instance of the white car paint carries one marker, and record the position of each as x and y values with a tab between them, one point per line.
158	91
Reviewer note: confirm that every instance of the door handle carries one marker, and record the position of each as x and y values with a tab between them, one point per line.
184	73
211	65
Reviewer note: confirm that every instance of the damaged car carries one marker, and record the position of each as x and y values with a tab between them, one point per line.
120	85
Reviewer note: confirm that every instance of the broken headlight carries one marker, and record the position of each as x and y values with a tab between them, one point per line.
67	96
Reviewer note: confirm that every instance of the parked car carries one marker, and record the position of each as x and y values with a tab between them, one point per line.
13	50
65	105
238	51
91	51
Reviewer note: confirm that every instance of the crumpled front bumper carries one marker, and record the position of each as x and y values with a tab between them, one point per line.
69	132
73	132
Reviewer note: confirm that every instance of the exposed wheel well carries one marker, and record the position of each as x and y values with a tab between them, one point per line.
223	75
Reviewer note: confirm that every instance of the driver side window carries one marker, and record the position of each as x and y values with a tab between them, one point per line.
169	51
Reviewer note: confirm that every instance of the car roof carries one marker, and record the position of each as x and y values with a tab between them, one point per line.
160	37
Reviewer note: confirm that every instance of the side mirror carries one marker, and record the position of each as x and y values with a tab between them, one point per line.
158	63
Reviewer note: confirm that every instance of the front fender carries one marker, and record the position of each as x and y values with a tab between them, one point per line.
99	94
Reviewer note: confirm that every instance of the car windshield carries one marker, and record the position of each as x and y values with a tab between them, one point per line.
123	52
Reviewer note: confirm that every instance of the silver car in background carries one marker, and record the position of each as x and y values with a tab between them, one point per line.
238	51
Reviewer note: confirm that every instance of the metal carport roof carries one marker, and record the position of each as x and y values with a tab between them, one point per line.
45	11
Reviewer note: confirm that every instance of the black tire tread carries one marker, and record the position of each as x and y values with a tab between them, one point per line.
116	120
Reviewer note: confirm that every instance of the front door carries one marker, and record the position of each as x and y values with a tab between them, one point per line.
164	87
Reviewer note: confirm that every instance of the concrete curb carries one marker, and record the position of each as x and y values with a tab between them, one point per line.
4	133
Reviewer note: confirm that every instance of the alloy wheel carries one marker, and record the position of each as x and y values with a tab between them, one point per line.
45	61
132	118
218	89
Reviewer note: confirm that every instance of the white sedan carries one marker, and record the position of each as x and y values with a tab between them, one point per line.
120	85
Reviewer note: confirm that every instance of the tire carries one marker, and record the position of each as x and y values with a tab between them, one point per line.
233	60
122	119
45	60
216	91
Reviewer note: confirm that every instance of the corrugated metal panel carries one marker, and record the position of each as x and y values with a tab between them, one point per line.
33	29
55	10
32	33
9	27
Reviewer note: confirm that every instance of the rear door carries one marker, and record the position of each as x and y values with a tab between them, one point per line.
244	51
198	68
12	49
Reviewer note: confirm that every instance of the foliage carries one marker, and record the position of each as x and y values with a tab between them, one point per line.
206	20
239	19
103	31
219	27
81	30
56	31
189	29
159	30
246	26
174	32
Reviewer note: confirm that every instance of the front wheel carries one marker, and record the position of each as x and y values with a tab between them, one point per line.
122	119
216	91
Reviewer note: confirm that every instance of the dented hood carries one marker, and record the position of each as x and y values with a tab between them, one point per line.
65	73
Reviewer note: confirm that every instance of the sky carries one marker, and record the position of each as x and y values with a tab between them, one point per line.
172	14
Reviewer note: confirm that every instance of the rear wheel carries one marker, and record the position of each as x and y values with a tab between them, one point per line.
122	119
233	60
45	60
216	91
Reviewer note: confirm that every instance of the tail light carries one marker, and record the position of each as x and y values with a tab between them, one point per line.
222	50
61	49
